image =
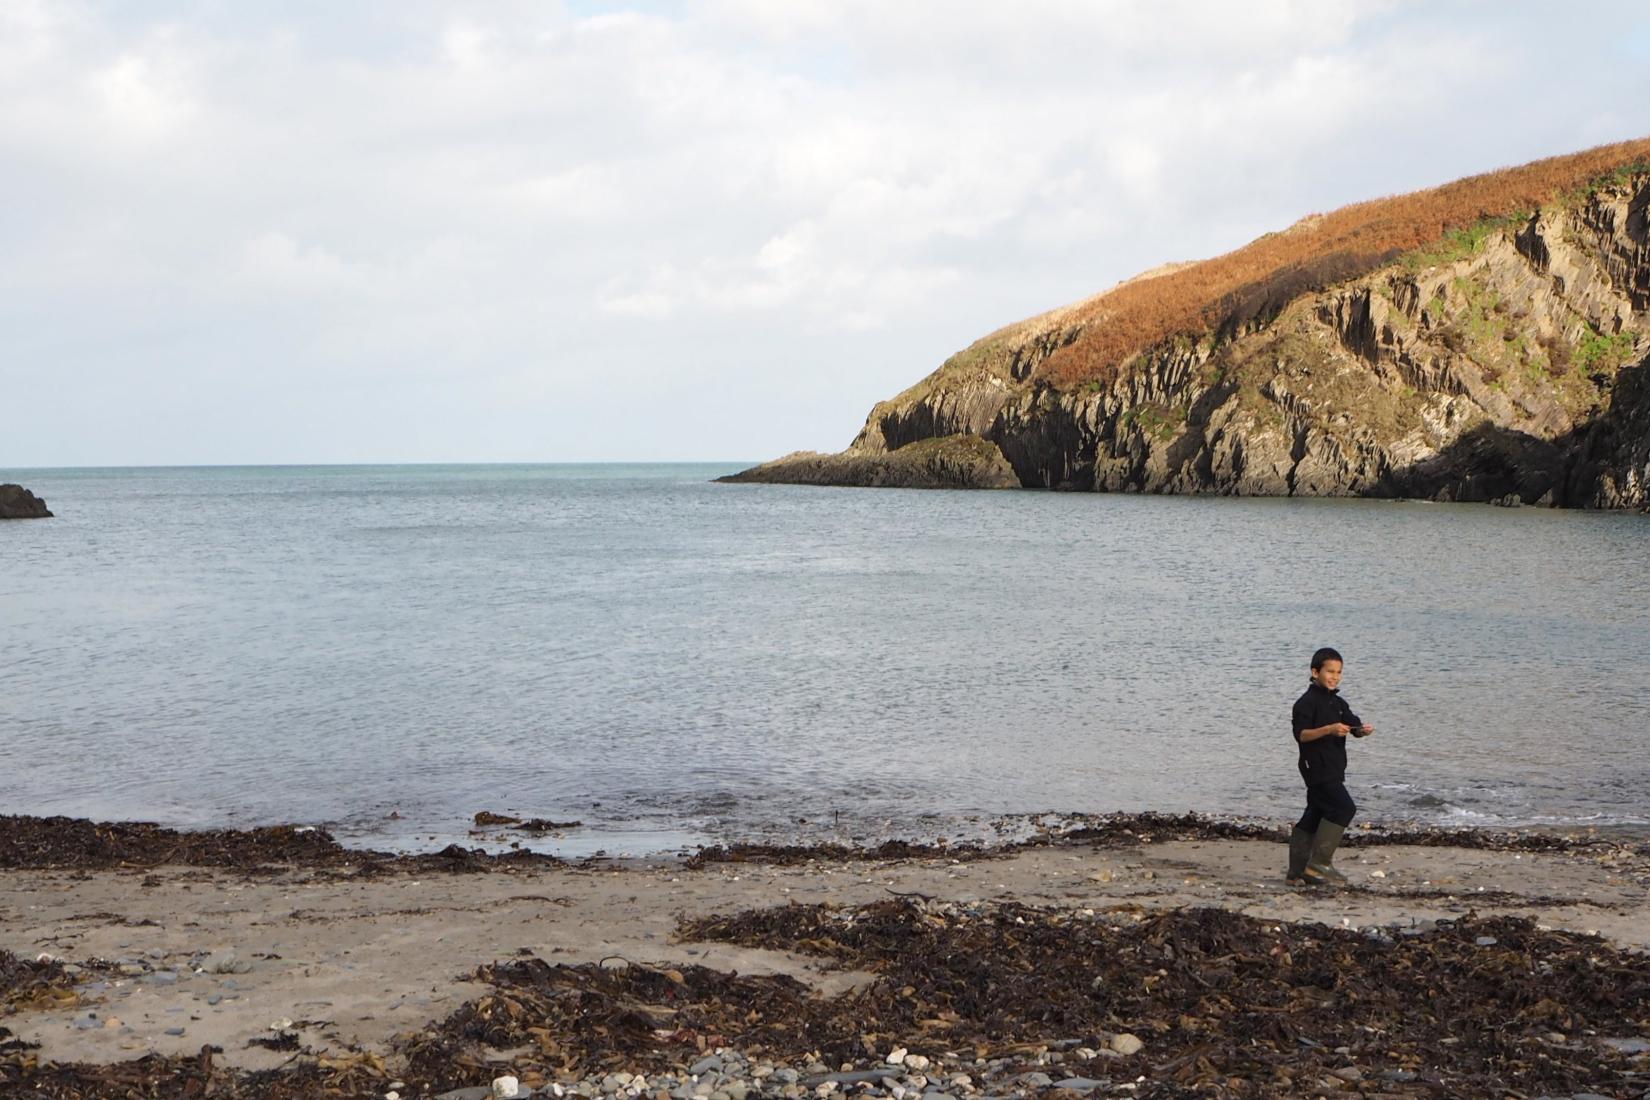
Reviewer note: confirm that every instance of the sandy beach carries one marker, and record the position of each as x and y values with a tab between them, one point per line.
174	958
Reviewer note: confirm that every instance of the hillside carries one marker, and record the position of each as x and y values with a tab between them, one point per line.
1484	340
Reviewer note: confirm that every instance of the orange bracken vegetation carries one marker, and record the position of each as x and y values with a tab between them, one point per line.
1259	278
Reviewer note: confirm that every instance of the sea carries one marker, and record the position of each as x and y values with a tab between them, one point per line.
384	651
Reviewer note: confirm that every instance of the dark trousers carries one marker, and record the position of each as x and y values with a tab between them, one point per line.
1327	802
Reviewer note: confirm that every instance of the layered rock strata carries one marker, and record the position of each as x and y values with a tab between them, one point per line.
17	502
1513	369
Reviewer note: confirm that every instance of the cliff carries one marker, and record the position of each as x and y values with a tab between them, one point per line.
1485	341
17	502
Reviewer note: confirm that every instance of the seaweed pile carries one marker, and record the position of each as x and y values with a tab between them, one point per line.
1229	1005
69	843
1212	1003
43	983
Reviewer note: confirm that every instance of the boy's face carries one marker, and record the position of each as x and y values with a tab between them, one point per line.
1328	674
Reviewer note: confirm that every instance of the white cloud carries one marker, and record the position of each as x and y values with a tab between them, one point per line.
503	192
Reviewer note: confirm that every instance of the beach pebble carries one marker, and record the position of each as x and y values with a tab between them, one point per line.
1486	941
1038	1080
1079	1084
916	1062
1126	1044
706	1064
507	1088
896	1057
174	1031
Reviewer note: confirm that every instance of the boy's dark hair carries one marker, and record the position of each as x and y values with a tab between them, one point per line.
1325	654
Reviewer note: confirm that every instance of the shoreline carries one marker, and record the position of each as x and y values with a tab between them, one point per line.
372	963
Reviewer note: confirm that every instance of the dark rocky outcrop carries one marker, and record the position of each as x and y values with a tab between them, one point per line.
946	462
1509	364
17	502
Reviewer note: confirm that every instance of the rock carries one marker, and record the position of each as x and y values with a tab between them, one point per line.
1079	1084
227	963
916	1062
17	502
1627	1046
506	1088
1334	376
174	1031
948	462
1485	941
1126	1044
847	1077
705	1065
896	1057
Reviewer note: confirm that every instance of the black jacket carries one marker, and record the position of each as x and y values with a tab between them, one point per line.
1322	760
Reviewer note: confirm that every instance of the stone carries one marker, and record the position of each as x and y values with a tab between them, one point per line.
506	1088
1627	1046
1036	1080
1079	1084
1126	1044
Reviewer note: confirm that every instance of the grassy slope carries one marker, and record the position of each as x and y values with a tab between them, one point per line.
1097	337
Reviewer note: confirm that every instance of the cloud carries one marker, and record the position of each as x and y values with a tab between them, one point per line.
522	198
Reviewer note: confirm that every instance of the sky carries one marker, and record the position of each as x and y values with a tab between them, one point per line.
404	231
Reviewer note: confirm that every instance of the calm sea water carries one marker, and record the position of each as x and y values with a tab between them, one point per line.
672	661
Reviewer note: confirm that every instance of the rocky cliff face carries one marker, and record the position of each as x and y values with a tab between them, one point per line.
1510	364
17	502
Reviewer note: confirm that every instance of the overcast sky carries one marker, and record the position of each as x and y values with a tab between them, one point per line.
325	231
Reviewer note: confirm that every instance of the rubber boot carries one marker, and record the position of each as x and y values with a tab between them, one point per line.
1300	850
1320	870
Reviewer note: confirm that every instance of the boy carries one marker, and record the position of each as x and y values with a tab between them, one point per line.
1321	721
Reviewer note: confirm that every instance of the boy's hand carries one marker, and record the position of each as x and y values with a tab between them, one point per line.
1340	729
1364	730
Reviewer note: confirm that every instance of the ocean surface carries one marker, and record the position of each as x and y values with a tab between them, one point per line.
387	650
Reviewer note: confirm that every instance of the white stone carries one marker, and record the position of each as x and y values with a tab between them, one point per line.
916	1062
896	1057
1126	1044
506	1088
